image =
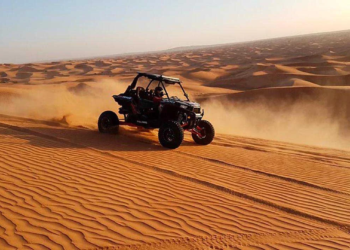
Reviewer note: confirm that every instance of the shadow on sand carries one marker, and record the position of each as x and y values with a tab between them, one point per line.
66	137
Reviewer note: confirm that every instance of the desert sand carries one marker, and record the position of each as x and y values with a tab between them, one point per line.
277	175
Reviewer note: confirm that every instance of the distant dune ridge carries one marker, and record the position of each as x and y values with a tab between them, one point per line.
276	176
305	62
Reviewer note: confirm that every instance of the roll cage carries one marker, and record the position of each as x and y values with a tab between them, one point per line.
162	81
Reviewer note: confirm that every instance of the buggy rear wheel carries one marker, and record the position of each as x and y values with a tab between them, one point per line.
207	132
108	123
171	135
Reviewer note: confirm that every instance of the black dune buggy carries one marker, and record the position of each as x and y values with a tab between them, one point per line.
171	115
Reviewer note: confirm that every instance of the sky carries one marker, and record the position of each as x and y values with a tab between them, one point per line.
49	30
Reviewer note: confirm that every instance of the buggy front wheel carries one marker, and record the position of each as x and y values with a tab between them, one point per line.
171	135
206	131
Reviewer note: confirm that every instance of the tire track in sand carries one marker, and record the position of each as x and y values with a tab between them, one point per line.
308	201
56	196
291	168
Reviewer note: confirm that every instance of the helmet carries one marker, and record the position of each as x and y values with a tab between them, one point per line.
159	90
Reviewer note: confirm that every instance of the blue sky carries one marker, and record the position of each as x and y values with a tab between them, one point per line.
40	30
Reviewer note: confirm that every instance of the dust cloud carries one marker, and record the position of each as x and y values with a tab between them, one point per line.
310	122
303	122
75	105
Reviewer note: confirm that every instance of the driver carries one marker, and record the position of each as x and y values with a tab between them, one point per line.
158	95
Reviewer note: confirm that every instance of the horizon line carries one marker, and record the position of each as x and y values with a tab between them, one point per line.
174	49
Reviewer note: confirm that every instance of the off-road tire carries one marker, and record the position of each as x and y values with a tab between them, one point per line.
108	123
171	134
208	133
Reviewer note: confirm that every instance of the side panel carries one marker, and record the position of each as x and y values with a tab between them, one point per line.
169	112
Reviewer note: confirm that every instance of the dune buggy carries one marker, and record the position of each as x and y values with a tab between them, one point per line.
147	108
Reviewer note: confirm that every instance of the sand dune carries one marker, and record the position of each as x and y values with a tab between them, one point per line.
237	66
296	82
95	193
276	176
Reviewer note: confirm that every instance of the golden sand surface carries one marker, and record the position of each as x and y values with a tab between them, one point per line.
276	176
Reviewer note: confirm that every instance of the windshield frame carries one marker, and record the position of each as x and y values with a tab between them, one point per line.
163	84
